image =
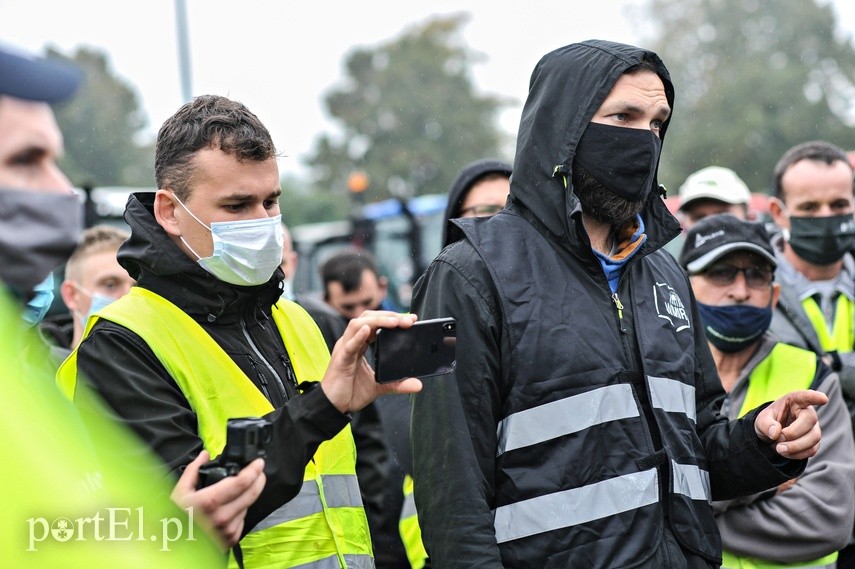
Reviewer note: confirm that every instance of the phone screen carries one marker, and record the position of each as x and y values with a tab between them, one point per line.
425	349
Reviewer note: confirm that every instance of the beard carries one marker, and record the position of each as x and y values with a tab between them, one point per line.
599	202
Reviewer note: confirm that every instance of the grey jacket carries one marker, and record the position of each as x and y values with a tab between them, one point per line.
791	325
814	517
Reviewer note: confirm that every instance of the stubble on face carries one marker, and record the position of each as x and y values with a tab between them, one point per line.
599	202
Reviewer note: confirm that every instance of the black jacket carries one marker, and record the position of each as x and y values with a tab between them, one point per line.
141	392
494	276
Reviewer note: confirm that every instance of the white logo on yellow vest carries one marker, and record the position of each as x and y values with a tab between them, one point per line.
670	306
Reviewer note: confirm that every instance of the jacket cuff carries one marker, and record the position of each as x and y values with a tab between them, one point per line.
322	413
790	468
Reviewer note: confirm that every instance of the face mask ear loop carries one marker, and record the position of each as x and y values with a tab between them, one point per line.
186	244
81	289
199	221
786	211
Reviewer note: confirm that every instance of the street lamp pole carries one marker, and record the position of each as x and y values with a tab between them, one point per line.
183	49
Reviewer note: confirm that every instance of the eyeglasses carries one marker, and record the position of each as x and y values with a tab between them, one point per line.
725	275
480	210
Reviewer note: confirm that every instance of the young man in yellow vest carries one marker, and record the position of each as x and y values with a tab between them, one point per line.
69	499
806	520
204	337
812	202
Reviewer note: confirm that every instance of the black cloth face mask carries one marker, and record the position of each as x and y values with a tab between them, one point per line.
822	240
38	232
624	160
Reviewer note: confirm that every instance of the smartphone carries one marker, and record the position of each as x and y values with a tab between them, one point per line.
425	349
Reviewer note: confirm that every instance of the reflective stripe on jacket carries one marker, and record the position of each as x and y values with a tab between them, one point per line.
786	368
577	471
325	524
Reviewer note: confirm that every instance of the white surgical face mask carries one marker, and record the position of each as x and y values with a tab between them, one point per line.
246	253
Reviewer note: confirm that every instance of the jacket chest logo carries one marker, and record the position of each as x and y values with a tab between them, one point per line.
670	307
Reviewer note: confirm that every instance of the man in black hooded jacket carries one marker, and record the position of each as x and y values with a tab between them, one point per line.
581	427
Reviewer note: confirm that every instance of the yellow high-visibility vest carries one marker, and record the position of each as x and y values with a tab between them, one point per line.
325	524
841	338
408	527
786	368
70	497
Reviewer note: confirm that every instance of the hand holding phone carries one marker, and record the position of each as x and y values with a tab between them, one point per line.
425	349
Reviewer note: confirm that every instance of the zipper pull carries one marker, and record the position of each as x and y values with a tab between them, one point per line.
619	306
292	377
261	378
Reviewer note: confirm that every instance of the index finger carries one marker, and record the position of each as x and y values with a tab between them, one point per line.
383	319
405	386
232	487
807	397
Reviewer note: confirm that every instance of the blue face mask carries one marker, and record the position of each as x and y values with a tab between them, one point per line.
38	306
735	327
97	302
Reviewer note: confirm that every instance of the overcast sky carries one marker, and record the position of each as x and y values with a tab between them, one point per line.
279	57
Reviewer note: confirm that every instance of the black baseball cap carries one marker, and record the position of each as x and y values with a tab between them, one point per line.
27	76
717	235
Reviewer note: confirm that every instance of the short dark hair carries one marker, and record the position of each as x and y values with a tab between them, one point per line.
208	121
346	267
818	150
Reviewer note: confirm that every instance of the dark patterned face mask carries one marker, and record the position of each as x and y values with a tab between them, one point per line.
38	232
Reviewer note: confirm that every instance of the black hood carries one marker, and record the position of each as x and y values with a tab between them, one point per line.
567	87
461	185
152	257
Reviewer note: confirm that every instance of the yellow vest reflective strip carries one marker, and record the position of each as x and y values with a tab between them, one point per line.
340	491
408	526
786	368
351	561
218	390
842	336
576	506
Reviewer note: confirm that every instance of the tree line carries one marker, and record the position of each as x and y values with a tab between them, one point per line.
752	77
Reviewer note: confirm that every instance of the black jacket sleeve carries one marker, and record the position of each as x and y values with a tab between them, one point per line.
133	382
739	462
454	421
